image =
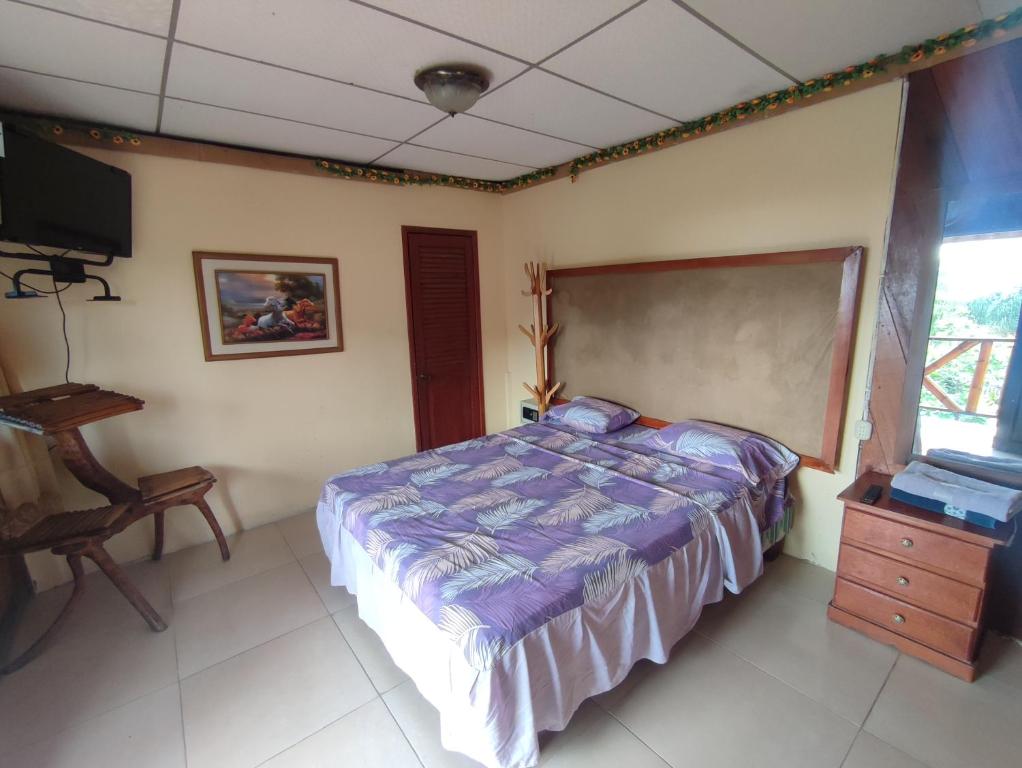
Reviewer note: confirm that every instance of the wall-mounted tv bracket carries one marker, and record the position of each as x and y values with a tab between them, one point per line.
63	269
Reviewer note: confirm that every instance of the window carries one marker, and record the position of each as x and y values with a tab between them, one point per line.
970	393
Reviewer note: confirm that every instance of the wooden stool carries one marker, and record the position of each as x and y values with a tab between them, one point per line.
181	487
76	535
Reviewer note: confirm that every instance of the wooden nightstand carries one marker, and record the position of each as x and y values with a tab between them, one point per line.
913	579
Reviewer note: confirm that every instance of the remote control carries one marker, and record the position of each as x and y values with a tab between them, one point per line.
872	493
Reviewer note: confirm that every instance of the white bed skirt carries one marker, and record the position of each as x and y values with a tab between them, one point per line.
495	715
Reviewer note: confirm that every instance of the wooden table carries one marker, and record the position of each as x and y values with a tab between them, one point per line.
58	412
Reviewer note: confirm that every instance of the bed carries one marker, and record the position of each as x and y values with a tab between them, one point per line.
515	575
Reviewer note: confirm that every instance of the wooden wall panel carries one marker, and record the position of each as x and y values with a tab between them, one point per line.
929	161
962	139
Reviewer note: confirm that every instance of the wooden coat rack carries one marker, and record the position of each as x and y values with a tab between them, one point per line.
539	334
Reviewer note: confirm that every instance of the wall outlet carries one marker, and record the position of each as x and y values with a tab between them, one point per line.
863	430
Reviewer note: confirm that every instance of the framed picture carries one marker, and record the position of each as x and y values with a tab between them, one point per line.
265	306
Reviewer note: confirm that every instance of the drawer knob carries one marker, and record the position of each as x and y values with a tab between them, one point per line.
902	581
898	618
907	543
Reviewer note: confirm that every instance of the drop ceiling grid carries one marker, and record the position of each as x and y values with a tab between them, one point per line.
227	126
566	75
152	16
641	56
437	161
186	21
828	36
45	94
52	43
528	29
200	75
473	135
337	39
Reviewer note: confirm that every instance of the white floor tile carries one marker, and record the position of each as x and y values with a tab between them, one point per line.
369	649
791	638
301	533
255	705
708	707
799	576
421	724
197	570
948	723
145	732
317	568
81	677
367	738
217	625
869	752
594	739
1001	658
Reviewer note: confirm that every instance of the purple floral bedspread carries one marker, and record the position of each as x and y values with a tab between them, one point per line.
493	537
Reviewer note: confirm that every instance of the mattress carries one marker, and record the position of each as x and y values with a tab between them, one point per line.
513	576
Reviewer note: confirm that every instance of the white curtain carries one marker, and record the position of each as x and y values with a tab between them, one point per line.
28	485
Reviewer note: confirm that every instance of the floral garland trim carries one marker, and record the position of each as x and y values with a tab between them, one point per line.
420	179
966	37
114	135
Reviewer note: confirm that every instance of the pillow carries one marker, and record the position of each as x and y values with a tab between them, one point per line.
757	458
587	414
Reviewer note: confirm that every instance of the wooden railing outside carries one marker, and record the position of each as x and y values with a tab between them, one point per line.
971	406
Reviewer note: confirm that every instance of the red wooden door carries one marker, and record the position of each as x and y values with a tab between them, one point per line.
442	292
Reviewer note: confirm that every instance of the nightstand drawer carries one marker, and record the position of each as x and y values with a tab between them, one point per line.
923	547
938	633
939	594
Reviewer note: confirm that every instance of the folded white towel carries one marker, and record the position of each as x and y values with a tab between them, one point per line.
960	491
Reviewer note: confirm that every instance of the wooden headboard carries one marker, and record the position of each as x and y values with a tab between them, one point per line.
762	341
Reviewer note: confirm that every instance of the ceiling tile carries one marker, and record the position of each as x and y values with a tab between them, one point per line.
45	95
543	102
475	136
435	161
663	58
336	39
144	15
226	81
808	38
57	44
529	29
195	121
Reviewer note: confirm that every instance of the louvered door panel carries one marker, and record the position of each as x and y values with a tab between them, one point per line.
443	324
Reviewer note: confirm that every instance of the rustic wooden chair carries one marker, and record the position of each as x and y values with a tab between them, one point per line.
82	533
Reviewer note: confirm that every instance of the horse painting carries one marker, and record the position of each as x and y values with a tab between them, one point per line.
271	306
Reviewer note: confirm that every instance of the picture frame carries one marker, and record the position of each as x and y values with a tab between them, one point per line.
255	305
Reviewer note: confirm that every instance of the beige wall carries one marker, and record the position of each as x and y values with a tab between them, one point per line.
274	429
816	177
271	429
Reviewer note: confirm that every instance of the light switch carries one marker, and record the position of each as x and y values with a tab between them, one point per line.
863	430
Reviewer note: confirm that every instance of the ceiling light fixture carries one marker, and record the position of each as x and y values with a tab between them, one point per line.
452	88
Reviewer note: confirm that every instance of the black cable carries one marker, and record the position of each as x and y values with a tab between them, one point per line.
63	327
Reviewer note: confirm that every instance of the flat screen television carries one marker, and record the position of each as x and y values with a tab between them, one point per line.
51	196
